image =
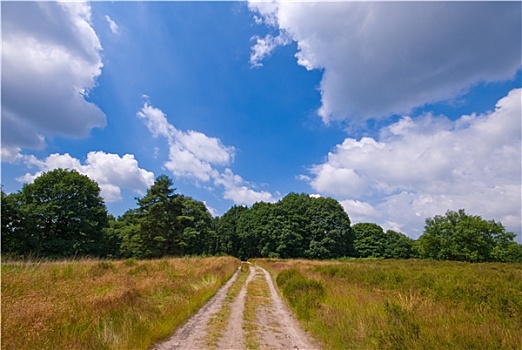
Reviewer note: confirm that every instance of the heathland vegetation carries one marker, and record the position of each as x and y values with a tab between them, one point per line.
135	293
404	304
61	215
101	304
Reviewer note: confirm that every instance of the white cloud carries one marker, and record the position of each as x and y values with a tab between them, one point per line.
10	154
211	210
50	62
384	58
115	29
196	156
423	167
208	149
191	154
184	163
240	191
156	121
264	47
110	171
358	211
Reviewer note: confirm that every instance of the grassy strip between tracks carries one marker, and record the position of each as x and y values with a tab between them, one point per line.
393	304
257	295
94	304
219	322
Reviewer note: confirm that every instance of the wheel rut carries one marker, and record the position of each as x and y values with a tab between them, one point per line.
257	318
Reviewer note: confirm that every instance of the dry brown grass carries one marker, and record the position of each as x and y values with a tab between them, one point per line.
104	304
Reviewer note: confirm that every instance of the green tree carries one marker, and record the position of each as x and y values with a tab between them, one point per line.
296	226
398	245
16	241
510	252
127	228
111	240
328	229
228	237
294	237
462	237
199	235
63	214
160	217
370	240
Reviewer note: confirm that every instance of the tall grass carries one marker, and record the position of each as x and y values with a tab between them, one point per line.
386	304
104	304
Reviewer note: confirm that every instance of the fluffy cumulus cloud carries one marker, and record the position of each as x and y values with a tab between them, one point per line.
384	58
418	168
240	191
198	157
110	171
50	62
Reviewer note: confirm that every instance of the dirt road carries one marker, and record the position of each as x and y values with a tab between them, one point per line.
253	318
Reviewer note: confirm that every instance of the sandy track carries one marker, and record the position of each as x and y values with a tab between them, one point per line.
192	333
276	328
233	337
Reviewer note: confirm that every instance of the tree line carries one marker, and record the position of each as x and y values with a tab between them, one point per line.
61	214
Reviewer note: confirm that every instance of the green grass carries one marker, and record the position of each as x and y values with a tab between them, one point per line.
219	322
393	304
93	304
258	294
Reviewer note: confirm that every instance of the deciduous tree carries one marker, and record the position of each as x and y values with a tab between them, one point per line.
463	237
62	215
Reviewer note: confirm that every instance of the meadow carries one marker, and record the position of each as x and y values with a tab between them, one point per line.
93	304
404	304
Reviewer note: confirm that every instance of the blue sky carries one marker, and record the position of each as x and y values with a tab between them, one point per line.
400	111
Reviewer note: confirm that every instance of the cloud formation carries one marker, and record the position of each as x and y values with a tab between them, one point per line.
50	62
115	29
198	157
264	47
385	58
423	167
110	171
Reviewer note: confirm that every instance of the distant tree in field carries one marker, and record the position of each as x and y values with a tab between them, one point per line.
127	229
462	237
509	252
369	241
297	226
166	223
252	228
159	216
329	231
16	240
199	236
61	214
111	240
228	235
293	237
398	245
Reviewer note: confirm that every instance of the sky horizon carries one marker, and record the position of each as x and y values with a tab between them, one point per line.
400	111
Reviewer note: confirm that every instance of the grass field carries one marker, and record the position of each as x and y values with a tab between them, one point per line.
104	304
393	304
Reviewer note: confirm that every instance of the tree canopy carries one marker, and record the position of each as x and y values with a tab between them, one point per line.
61	214
463	237
298	226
